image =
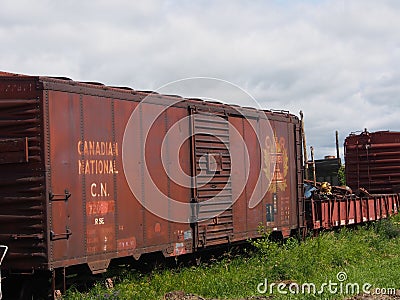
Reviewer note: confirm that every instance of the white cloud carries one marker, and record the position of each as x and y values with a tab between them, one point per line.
337	61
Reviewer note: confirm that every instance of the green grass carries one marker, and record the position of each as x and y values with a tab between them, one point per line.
370	254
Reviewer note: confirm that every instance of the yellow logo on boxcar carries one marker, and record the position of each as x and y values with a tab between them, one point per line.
280	159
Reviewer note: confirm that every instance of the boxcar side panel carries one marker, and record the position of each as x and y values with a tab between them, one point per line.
129	211
163	228
177	163
239	177
97	171
65	189
156	228
253	191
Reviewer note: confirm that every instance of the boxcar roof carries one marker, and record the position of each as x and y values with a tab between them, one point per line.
67	84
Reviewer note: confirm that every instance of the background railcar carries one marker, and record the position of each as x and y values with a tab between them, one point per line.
373	162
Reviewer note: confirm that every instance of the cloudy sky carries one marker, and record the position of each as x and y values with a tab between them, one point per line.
338	61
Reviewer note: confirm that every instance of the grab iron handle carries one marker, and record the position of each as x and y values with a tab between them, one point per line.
60	236
60	197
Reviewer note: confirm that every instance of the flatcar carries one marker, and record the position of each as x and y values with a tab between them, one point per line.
329	211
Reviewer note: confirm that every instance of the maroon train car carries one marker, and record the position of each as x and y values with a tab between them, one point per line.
90	173
373	162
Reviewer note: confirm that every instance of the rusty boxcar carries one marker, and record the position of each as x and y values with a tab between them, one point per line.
91	173
373	162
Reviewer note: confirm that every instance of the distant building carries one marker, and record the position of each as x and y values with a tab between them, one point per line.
326	170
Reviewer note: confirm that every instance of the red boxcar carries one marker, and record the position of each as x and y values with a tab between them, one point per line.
91	173
373	162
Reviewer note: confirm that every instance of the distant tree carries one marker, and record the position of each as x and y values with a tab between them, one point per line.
342	175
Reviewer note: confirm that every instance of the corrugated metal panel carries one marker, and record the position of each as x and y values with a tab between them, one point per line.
373	161
213	184
22	177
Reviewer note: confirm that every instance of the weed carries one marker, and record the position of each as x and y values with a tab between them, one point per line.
387	229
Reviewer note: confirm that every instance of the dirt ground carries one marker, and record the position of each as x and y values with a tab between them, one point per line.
180	295
376	297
